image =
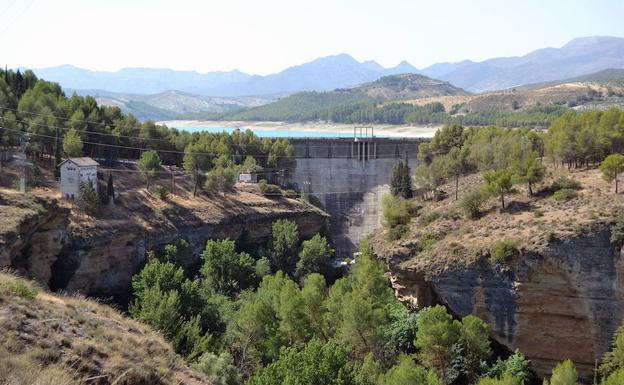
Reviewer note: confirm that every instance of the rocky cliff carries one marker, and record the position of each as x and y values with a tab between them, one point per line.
557	293
60	248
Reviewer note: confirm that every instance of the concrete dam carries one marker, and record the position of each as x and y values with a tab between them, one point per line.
349	176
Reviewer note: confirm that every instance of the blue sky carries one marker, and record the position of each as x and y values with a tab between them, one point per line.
265	36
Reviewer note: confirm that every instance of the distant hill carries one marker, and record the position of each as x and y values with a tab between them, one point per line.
407	86
608	77
322	74
170	105
599	90
308	105
139	80
579	57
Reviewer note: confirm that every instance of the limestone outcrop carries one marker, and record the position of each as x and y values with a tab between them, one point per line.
64	250
557	292
563	302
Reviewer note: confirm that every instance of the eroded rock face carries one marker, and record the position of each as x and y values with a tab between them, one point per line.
564	301
100	260
105	266
35	244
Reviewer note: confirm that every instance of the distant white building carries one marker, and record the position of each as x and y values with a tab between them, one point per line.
75	171
248	177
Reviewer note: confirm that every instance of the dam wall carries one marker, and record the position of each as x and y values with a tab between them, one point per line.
349	176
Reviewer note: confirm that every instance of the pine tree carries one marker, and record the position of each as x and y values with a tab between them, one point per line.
400	180
110	188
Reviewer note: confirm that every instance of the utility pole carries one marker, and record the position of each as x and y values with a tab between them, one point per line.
172	179
23	161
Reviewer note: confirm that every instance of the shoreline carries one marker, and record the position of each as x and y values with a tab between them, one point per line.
381	130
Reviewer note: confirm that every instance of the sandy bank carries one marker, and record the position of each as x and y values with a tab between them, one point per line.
382	130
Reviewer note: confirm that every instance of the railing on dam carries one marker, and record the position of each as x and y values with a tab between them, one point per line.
360	148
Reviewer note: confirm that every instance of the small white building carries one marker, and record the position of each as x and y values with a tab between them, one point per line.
75	171
248	177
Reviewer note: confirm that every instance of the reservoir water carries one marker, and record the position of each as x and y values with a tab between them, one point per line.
267	133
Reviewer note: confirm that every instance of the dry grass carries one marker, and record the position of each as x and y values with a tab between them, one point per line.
533	222
140	209
526	97
64	340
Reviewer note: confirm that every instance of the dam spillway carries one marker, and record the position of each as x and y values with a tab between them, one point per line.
349	176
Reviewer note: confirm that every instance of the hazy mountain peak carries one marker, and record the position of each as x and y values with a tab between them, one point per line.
403	68
587	41
578	57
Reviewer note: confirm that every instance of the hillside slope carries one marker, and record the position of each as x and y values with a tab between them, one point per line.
594	91
61	340
308	105
169	105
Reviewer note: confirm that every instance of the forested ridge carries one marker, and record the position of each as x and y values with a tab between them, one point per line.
356	107
57	126
41	109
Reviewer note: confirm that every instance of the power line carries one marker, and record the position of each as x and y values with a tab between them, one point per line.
187	175
161	150
145	148
136	128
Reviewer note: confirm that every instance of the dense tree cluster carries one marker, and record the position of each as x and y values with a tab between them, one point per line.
76	126
239	319
581	139
505	156
515	156
347	106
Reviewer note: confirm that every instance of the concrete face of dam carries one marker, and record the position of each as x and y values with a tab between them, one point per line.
349	176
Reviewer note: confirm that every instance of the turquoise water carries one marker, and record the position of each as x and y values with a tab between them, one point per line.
284	133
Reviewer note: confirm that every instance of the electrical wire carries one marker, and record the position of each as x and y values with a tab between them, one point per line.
139	128
154	149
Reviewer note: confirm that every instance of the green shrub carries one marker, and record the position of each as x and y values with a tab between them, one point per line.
565	194
565	183
290	193
427	240
503	250
220	179
269	189
397	211
617	232
428	218
219	369
397	232
311	199
472	202
551	237
88	200
22	289
162	192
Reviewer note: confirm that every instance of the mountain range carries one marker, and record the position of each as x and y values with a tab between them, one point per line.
578	57
323	74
